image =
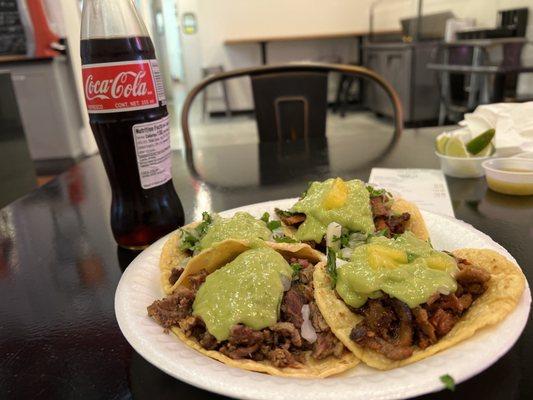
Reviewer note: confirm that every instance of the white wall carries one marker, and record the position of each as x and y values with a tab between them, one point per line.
72	23
220	20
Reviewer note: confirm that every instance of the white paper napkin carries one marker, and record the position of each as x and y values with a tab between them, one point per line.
513	123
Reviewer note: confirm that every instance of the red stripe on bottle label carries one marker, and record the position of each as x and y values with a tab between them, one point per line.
121	86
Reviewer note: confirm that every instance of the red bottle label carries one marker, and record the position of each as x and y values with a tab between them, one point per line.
123	86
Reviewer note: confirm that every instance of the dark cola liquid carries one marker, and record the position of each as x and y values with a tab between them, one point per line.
138	216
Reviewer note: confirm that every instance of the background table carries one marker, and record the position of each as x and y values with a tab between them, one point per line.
59	265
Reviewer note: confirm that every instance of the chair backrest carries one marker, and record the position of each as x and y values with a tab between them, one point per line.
291	100
290	105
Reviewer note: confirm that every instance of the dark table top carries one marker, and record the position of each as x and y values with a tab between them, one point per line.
59	265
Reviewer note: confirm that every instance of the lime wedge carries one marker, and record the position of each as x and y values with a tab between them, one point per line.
440	143
455	148
487	151
479	143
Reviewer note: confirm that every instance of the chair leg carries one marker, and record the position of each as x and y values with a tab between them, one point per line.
226	99
338	99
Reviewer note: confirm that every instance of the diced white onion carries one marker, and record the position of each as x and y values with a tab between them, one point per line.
443	290
340	262
308	331
346	253
286	282
333	231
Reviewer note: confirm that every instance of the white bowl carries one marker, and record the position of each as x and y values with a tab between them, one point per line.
510	175
462	167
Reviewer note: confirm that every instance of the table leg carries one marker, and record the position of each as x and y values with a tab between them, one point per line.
361	56
263	46
475	78
444	89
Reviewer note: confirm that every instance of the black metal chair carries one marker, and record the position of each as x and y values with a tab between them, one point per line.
291	107
291	100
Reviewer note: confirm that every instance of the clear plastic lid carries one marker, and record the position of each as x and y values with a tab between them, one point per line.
111	18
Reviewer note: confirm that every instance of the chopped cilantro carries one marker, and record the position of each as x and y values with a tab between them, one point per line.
448	381
204	225
296	267
188	241
265	218
383	232
282	213
273	225
304	193
284	239
332	266
377	192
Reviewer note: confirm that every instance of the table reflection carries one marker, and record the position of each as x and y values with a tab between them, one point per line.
245	165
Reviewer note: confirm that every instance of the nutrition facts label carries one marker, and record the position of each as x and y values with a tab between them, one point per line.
152	145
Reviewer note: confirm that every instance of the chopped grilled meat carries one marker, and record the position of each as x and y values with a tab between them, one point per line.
443	322
317	320
306	275
291	307
238	353
290	218
281	343
392	329
305	290
196	280
175	275
208	341
404	336
379	316
302	261
281	358
473	279
192	326
326	345
398	223
384	219
288	331
466	301
379	208
422	322
169	311
244	336
367	338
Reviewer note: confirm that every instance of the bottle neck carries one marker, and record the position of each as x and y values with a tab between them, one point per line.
111	19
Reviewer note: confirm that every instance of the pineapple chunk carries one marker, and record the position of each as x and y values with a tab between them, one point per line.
441	262
337	195
385	257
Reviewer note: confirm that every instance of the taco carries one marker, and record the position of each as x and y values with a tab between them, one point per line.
255	311
398	301
193	239
346	212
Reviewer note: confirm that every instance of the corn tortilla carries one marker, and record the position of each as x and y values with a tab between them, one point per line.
505	289
218	256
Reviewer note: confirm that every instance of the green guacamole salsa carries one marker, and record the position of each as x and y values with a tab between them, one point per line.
406	268
241	226
246	291
346	203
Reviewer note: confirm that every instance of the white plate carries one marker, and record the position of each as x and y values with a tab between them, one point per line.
140	286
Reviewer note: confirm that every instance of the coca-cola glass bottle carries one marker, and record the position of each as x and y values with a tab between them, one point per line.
128	115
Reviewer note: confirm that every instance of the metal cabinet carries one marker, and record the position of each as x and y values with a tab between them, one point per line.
49	107
404	67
